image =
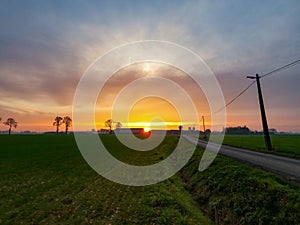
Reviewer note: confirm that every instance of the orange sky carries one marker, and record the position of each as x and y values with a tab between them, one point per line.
148	108
145	110
46	48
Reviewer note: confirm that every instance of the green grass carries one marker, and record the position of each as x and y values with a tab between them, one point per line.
44	180
230	192
139	158
286	145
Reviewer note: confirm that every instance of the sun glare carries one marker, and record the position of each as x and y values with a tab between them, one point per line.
149	69
147	129
146	68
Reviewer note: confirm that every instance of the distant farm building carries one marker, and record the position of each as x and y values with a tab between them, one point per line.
273	131
129	130
174	132
103	131
237	130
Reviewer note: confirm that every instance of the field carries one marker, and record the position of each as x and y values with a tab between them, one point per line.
44	180
285	145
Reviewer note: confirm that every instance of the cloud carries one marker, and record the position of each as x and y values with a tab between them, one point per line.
46	47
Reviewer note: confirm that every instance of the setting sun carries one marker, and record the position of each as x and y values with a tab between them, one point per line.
147	129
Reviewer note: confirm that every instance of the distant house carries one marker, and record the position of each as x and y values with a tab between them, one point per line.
174	132
103	131
129	130
272	131
237	130
137	130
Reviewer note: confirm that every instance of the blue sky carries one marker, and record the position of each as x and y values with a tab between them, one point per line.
45	47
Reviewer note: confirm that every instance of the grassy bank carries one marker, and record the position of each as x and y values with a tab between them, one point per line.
285	145
233	193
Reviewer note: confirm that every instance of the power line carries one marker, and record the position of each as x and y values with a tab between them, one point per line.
264	75
235	98
282	68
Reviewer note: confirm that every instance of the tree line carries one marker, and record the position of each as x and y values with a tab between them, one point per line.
109	123
58	121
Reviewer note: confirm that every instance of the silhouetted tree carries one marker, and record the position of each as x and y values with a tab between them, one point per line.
11	123
180	128
109	123
208	131
57	122
68	122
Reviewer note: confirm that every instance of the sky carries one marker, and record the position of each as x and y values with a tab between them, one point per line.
47	46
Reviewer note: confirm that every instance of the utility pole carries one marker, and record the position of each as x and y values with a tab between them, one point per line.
204	128
263	113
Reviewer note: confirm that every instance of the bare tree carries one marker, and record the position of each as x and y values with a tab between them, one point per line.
11	123
109	123
57	122
68	122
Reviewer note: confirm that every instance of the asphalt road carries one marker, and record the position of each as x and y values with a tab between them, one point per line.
286	167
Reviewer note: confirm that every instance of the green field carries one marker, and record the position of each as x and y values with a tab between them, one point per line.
44	180
286	145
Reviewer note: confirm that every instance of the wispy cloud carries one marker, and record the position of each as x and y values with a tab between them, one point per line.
45	47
